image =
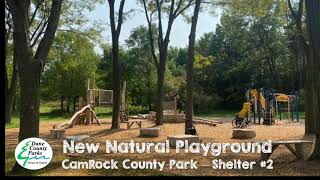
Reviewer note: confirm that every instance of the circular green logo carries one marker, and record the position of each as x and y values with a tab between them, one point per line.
33	153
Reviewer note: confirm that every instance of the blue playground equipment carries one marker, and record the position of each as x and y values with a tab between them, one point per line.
267	105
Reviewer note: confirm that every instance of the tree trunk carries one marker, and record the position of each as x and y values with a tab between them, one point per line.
149	88
312	83
8	108
30	99
116	78
192	37
163	42
68	104
14	104
160	94
10	91
116	86
300	50
30	66
74	103
61	104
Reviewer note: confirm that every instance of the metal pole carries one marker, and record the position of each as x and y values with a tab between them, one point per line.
279	106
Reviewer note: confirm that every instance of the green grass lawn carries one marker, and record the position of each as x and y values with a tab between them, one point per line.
49	111
232	113
218	113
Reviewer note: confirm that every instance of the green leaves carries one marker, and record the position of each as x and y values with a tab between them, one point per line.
72	60
201	62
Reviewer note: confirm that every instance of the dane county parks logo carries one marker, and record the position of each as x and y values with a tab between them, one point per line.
33	153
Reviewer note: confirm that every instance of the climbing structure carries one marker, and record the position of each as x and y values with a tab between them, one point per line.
171	113
266	106
104	98
81	117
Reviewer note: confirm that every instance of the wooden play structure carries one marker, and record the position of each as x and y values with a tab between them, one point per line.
170	112
86	116
104	98
81	117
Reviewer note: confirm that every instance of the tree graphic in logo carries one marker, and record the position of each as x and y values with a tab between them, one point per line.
26	158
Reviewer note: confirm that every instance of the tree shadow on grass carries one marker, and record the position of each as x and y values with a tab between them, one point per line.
54	165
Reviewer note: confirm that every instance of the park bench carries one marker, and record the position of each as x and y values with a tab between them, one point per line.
131	122
298	148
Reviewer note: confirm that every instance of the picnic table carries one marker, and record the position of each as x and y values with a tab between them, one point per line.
132	122
296	147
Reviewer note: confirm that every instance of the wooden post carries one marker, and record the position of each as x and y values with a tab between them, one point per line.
80	105
123	109
88	116
175	105
88	97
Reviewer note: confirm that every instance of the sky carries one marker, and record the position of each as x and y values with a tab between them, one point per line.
180	31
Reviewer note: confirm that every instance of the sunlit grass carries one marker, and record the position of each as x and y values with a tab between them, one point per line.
50	111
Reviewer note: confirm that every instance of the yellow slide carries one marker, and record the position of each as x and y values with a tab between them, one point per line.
245	110
263	102
255	93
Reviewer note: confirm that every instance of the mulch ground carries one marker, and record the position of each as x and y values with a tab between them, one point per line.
284	164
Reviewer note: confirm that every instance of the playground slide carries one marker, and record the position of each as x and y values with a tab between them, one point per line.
245	110
255	93
74	117
263	102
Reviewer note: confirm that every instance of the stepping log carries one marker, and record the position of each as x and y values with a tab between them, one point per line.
190	138
151	117
80	138
210	123
150	132
243	133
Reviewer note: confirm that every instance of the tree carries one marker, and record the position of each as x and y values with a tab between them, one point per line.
312	83
30	65
299	46
192	38
72	60
246	48
173	10
71	19
116	82
139	69
9	88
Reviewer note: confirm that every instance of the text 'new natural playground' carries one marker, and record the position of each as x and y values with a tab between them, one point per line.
181	146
